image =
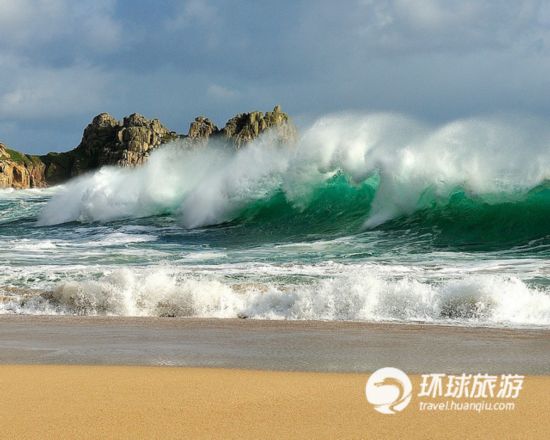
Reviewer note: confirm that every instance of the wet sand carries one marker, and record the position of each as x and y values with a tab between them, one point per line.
271	345
279	379
90	402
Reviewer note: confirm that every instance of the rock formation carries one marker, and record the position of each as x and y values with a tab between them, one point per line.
19	170
246	127
201	129
107	141
135	139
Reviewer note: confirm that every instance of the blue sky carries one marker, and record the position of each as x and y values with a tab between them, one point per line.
64	61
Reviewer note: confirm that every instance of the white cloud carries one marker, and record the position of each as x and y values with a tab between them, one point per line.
35	23
445	25
28	91
435	59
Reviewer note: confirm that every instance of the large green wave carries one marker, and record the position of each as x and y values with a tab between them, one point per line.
335	207
492	221
460	220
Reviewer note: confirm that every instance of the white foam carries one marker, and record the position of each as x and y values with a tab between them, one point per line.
203	255
10	193
26	244
357	293
210	185
118	239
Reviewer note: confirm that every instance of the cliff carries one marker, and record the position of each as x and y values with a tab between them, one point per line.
107	141
18	170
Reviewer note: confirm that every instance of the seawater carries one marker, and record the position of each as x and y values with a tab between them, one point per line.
365	217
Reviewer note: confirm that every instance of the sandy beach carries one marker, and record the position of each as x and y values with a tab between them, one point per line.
274	220
163	402
161	378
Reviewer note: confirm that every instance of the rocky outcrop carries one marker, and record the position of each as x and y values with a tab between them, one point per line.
243	128
107	141
19	170
246	127
201	129
134	141
98	136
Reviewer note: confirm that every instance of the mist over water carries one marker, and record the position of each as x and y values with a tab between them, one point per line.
365	217
412	165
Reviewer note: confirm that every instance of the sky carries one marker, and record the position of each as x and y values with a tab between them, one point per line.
64	61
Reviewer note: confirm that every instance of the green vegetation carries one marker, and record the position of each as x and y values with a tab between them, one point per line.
22	158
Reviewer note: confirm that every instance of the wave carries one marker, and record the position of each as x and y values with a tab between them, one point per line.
358	293
472	222
469	181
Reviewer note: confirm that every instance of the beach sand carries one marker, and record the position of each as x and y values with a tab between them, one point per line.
98	377
333	346
134	402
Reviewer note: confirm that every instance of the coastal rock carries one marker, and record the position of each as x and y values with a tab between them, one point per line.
98	135
201	129
107	141
19	170
245	127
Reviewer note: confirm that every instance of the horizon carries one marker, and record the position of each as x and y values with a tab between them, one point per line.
62	63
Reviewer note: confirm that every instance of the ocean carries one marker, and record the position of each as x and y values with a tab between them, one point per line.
372	217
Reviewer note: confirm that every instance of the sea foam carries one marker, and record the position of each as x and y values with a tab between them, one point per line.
356	293
211	185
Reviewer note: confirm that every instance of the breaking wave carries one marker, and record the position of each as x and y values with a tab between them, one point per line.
374	217
356	294
469	182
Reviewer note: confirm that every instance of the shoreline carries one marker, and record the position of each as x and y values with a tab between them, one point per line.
138	318
113	377
324	346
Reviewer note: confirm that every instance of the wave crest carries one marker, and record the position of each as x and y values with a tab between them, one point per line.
351	172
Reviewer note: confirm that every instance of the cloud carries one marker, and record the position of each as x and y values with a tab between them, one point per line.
28	91
398	26
35	24
199	21
63	61
219	92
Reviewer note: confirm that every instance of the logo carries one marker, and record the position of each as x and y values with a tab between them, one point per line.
389	390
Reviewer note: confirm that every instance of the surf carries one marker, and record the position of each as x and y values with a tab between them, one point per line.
352	293
469	181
